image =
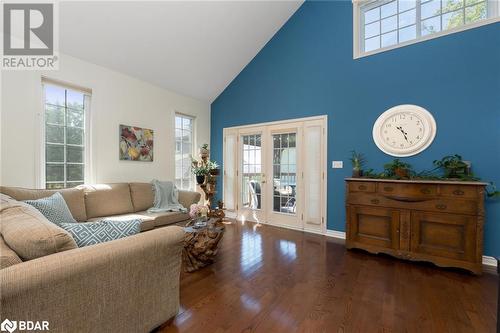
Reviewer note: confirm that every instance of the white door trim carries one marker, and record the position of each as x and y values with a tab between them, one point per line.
279	122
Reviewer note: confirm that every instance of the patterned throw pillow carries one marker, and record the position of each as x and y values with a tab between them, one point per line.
90	233
54	208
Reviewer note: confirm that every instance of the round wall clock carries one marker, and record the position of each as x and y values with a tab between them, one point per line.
404	130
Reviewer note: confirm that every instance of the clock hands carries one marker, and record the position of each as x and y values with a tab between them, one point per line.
403	132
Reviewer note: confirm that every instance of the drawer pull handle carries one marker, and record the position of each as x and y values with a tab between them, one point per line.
458	192
362	187
425	191
388	189
406	199
441	206
375	201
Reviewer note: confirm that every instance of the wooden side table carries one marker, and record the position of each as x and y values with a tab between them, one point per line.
201	244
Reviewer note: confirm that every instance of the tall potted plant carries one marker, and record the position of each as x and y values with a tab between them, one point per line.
358	161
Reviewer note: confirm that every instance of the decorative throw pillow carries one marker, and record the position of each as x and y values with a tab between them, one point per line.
90	233
54	208
28	233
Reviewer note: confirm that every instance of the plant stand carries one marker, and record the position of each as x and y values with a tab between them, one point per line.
209	187
209	191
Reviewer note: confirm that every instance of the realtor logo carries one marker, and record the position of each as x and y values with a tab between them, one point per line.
29	38
8	326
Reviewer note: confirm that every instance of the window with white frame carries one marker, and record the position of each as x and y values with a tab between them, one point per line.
384	24
65	136
184	145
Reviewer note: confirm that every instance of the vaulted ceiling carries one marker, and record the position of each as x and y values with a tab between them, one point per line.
195	48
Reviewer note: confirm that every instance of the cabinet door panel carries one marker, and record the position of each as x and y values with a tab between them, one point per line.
375	226
444	235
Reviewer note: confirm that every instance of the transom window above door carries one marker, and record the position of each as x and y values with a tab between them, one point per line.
384	24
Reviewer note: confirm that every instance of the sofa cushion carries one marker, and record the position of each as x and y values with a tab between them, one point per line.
54	208
7	256
107	199
166	218
28	233
149	220
74	198
187	198
142	196
90	233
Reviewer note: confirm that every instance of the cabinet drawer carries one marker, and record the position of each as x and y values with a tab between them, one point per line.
459	191
407	190
445	205
362	187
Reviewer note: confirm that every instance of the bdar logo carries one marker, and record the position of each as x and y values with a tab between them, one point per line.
8	326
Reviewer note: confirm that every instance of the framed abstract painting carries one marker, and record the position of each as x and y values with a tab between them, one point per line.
136	144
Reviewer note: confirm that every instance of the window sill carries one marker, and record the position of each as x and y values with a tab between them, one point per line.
478	24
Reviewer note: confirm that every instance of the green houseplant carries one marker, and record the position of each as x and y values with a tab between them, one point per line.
200	171
204	151
453	167
397	169
358	161
213	168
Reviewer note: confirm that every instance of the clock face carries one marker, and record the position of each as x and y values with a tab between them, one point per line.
404	130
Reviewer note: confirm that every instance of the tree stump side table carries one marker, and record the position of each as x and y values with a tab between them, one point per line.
201	244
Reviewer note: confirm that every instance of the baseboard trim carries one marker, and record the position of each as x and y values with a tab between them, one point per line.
489	263
231	214
335	234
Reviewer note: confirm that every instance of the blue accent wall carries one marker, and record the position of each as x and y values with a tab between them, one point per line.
308	69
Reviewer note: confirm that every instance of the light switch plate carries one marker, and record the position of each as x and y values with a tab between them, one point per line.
337	164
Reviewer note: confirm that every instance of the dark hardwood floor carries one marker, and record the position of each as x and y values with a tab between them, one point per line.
268	279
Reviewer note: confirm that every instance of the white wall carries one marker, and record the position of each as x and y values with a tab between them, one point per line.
116	99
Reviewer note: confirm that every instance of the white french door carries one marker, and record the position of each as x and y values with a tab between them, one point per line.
274	173
251	174
284	168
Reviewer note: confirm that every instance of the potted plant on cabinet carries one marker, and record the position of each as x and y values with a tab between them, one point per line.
453	167
358	161
397	169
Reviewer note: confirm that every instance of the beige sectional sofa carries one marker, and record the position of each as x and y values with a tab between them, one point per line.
126	285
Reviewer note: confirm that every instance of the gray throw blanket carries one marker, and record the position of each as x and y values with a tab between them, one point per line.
166	198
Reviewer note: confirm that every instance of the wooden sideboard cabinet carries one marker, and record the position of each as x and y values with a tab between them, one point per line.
436	221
